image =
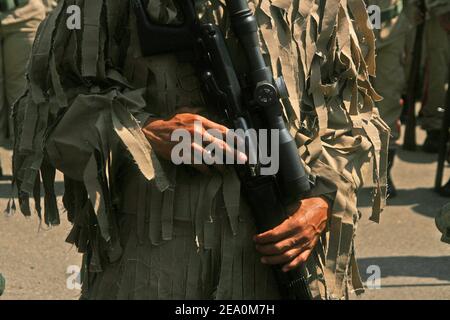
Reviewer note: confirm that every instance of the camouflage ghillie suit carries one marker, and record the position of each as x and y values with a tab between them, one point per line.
151	230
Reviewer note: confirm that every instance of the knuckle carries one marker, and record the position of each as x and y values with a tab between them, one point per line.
289	256
222	144
294	264
193	130
278	248
295	225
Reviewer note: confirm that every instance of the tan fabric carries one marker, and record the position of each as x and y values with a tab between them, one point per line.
17	32
396	27
438	7
101	89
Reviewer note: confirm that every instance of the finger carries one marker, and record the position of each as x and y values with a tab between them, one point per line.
227	151
282	258
298	261
235	144
281	247
242	147
208	124
209	156
282	232
200	156
197	155
237	137
212	162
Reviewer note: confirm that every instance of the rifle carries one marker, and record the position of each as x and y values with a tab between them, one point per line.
251	104
413	85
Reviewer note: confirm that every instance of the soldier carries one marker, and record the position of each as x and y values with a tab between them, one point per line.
103	114
443	223
19	20
438	60
390	79
2	284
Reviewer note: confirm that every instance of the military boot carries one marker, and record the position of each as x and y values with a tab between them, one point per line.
445	190
391	190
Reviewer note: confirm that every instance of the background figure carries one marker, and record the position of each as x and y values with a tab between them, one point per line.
391	67
438	59
2	284
443	223
19	20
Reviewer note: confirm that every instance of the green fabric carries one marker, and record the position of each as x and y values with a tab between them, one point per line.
392	12
15	47
443	223
438	7
390	61
8	5
2	284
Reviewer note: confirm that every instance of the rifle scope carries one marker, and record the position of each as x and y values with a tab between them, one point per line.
292	174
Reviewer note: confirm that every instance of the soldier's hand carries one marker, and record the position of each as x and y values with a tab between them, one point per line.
159	133
291	243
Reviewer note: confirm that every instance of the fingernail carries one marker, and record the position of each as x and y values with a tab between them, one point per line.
242	157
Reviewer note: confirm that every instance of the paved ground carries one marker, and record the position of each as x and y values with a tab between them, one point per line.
406	247
33	260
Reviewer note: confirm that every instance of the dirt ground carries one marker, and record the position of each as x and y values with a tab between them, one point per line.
33	260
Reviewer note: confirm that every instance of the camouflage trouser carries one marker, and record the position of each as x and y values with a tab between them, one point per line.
438	60
390	82
17	32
